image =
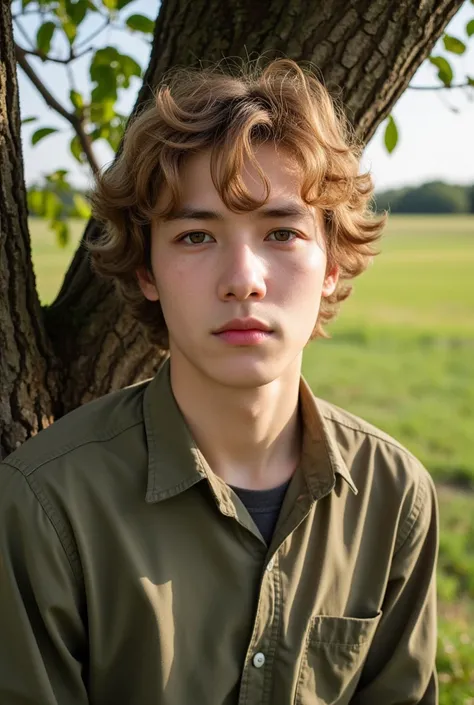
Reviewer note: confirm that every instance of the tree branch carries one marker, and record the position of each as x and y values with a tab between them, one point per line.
45	57
76	122
39	85
94	34
86	145
441	87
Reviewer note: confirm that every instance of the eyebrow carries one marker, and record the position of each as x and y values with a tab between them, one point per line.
288	209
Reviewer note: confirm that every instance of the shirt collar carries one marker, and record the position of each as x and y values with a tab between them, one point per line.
321	455
175	462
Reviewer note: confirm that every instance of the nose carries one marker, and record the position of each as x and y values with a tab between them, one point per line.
243	274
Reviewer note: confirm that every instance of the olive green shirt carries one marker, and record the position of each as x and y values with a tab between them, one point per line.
130	574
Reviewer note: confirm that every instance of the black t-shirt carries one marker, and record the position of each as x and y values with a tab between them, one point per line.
263	506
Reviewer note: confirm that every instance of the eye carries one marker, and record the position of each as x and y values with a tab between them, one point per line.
195	238
284	235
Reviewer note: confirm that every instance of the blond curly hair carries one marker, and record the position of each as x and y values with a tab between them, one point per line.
230	113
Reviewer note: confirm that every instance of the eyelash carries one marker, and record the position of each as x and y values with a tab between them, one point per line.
199	232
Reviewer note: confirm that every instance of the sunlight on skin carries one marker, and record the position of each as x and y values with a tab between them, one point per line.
240	265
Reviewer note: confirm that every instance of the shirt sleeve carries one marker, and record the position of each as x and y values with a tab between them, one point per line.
400	668
43	639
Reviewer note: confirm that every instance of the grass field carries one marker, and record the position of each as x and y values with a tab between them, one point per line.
402	357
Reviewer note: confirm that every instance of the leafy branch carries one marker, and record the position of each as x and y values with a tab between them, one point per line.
76	120
453	45
91	118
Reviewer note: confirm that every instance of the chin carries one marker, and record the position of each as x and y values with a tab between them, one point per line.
244	374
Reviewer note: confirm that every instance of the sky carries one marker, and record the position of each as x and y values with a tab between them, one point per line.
436	128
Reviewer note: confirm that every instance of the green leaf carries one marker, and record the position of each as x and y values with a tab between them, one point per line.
115	136
106	88
104	57
76	150
25	121
35	200
454	45
391	135
470	81
70	30
123	3
76	9
104	72
102	112
77	99
58	180
61	228
42	133
52	204
470	28
129	66
44	37
445	73
82	208
140	23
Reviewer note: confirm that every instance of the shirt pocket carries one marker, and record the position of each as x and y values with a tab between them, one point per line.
335	651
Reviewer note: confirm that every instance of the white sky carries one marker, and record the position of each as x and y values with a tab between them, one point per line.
434	143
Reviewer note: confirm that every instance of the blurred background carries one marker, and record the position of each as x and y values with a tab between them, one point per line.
402	349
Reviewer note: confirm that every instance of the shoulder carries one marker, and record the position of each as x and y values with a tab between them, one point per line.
381	467
358	433
87	461
92	426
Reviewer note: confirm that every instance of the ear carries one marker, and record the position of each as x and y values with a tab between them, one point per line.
330	281
147	283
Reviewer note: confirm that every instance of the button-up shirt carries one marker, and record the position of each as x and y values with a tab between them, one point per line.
131	574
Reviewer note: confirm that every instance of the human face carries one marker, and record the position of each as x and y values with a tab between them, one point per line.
211	265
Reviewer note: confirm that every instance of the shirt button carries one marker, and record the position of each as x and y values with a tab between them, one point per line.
258	660
271	563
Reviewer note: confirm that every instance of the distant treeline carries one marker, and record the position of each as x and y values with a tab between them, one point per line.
432	197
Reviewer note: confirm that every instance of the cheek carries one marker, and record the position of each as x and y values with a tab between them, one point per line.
305	277
181	289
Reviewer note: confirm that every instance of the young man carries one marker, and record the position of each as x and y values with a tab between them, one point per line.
218	535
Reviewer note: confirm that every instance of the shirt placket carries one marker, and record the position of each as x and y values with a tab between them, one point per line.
256	676
257	681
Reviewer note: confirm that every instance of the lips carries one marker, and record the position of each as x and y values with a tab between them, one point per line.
244	324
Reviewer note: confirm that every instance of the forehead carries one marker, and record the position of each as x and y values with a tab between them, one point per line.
281	170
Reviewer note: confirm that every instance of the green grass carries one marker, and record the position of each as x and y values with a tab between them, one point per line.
50	261
402	357
402	349
455	659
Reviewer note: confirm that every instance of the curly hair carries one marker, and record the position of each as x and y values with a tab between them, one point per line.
230	113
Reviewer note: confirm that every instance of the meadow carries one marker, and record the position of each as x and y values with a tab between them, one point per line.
402	357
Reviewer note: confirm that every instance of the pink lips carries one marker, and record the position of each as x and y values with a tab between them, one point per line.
244	331
244	337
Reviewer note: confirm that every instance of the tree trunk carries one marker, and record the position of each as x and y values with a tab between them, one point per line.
28	371
367	52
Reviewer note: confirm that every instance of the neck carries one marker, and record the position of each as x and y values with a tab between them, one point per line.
250	437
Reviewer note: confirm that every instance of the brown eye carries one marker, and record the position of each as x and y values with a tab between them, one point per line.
283	235
195	238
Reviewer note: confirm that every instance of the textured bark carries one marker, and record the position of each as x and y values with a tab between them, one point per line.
366	51
28	373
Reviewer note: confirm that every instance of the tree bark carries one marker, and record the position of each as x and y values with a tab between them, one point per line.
366	51
28	369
